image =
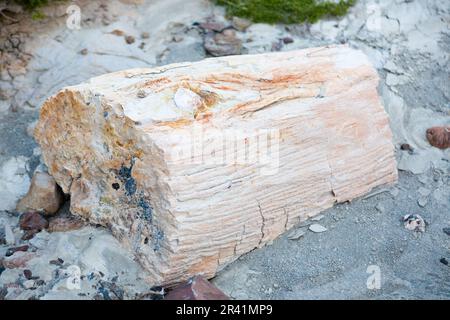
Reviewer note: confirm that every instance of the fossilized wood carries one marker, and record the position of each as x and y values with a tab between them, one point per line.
182	217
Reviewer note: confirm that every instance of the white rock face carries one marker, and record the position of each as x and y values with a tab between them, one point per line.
269	140
14	183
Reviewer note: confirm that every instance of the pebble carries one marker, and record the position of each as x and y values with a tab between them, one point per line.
213	26
414	222
394	192
32	221
287	40
222	44
380	208
63	224
11	251
129	39
317	218
118	32
317	228
44	195
29	284
84	51
177	38
406	147
18	260
9	234
444	261
296	234
145	35
240	24
187	100
27	273
141	93
446	230
197	288
422	201
424	191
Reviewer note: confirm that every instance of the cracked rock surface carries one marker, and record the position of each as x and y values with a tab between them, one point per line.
407	41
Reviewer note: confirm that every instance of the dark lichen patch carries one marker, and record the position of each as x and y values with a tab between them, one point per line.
124	175
146	210
158	237
285	11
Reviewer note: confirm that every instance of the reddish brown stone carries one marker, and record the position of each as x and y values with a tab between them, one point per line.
11	251
18	260
197	288
28	274
32	221
62	224
439	137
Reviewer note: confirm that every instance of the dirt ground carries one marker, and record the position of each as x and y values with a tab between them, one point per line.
407	41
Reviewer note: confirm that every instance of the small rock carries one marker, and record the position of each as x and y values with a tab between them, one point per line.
187	100
446	230
18	260
197	288
444	261
213	26
28	274
177	38
277	46
62	224
141	93
414	222
424	192
155	293
422	201
129	39
287	40
29	284
118	32
32	221
240	24
84	51
58	262
439	137
43	196
223	44
394	192
317	228
29	234
9	234
380	208
296	234
317	218
406	147
145	35
11	251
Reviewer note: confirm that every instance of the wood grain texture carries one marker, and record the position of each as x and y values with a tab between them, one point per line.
119	144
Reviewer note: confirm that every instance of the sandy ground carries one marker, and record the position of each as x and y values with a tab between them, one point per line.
407	41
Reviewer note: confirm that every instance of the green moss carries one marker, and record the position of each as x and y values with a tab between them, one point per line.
37	15
32	4
285	11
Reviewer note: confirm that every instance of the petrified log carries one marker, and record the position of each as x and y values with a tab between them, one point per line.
193	164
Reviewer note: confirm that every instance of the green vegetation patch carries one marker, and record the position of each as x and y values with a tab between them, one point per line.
285	11
32	4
